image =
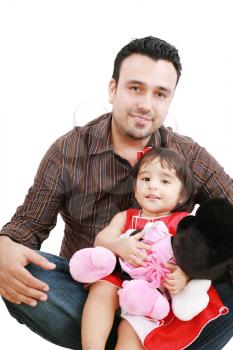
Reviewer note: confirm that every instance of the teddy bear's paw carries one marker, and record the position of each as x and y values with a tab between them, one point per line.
191	300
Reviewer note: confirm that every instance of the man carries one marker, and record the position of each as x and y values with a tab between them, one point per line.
86	176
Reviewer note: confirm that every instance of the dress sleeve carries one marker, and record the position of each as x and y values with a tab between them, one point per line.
174	221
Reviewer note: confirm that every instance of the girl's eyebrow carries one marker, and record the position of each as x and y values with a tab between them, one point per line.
162	173
143	172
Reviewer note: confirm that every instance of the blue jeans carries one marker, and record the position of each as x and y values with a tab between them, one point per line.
58	319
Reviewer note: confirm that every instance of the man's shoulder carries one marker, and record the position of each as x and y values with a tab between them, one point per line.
95	125
184	145
175	137
92	127
86	135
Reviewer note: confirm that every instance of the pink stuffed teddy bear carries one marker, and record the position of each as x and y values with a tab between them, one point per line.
141	296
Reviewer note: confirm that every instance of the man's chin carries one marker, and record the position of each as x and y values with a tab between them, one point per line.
139	136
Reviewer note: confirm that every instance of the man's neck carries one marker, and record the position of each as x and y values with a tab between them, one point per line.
127	147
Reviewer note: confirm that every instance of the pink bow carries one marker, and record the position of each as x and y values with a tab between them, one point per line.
153	273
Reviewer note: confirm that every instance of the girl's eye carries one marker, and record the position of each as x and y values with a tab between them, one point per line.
146	179
165	181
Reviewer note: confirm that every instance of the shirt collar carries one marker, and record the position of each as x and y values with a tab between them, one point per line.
100	140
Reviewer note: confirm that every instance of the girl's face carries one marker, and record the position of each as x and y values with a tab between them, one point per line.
157	189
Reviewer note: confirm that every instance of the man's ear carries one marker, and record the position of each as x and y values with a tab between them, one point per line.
111	90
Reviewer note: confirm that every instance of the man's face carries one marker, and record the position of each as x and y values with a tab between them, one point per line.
141	99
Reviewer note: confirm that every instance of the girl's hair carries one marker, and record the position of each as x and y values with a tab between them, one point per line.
169	158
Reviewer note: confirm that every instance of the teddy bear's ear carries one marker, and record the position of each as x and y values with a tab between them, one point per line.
203	245
214	220
190	249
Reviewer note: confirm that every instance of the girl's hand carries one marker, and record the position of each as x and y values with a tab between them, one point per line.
176	280
133	250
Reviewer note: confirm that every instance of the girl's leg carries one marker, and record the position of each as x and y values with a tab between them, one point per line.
98	315
127	338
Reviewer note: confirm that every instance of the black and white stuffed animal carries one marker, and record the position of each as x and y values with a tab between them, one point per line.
203	245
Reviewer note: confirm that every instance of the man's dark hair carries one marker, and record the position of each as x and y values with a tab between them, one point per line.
152	47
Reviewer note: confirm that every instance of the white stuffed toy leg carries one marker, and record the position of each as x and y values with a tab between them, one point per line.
191	300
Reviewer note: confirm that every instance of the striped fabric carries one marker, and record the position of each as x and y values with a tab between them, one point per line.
81	178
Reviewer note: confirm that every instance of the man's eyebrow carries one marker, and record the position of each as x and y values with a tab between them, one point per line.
135	82
162	88
138	82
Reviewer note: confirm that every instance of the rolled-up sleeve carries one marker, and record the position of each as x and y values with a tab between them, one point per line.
36	217
212	180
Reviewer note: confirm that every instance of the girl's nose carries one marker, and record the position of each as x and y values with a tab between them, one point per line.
153	184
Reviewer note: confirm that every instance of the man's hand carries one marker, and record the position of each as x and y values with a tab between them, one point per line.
176	280
131	250
17	284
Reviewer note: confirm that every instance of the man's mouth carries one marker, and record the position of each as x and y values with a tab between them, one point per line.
141	118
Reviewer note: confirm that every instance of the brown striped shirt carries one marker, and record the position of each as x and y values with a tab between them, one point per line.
81	178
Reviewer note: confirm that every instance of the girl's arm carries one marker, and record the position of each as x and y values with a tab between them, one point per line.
129	249
110	234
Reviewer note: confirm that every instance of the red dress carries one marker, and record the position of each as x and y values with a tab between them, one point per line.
170	333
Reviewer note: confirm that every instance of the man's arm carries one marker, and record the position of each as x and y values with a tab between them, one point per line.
30	226
209	176
16	283
37	216
211	179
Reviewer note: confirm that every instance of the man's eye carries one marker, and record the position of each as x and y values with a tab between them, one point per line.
134	88
160	94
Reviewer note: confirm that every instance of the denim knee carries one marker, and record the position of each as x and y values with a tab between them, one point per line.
59	318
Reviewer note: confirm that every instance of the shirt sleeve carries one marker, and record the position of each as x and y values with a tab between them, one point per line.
210	177
37	216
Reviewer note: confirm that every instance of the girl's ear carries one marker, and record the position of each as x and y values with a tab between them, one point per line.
181	199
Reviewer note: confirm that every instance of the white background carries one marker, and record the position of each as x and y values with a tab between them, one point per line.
55	54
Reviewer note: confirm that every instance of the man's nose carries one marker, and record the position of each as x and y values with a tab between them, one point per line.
145	103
